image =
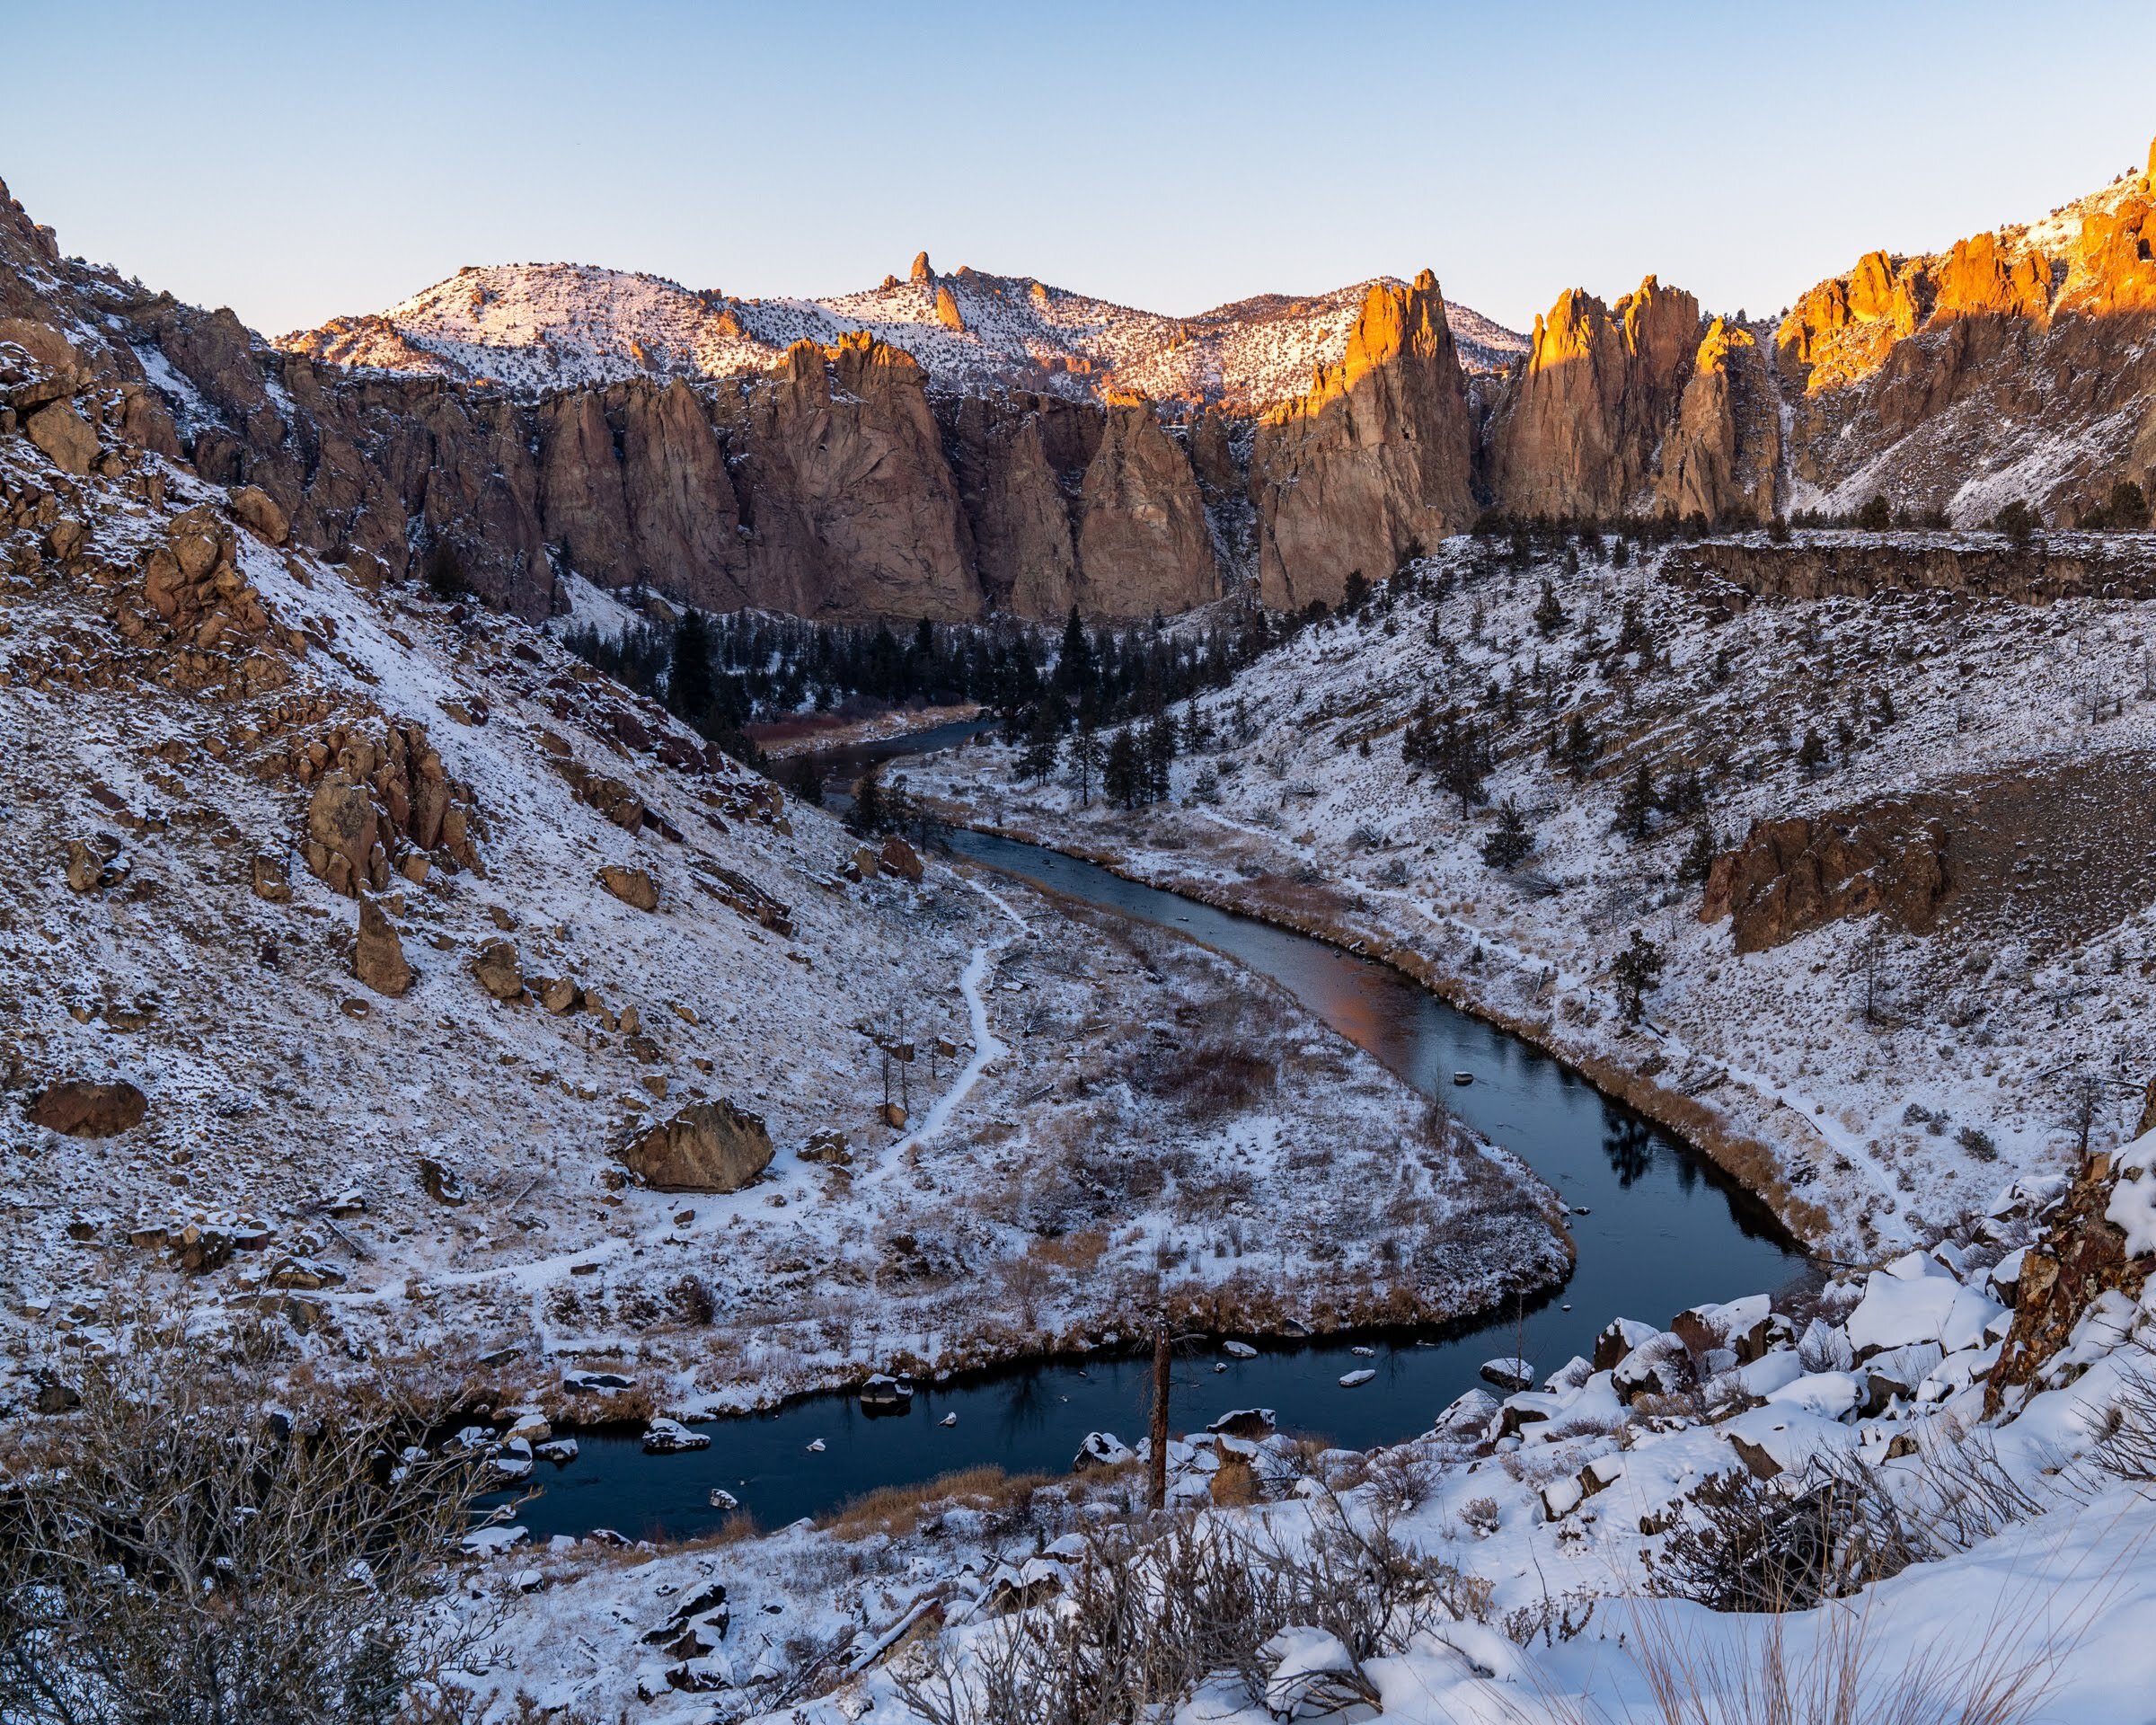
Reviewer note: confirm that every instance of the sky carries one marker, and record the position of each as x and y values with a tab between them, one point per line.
304	160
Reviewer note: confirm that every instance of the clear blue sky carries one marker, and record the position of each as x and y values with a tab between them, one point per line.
304	159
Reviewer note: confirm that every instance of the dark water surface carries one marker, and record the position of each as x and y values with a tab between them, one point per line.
1663	1230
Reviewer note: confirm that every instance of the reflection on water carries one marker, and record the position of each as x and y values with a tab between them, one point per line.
1663	1230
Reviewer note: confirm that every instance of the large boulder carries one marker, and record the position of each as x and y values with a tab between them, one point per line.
707	1147
498	971
633	886
378	960
83	1110
258	513
67	439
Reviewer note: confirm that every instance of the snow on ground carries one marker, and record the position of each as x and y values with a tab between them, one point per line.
435	1177
1899	1079
1555	1531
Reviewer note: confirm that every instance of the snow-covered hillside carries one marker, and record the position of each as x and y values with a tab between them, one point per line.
1899	1075
536	327
279	1036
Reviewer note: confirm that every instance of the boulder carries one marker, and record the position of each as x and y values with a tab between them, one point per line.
900	858
670	1437
258	512
67	439
707	1147
341	832
378	960
561	997
267	875
633	887
497	971
81	1108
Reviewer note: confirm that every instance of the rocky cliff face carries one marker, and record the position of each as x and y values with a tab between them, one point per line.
1577	430
2017	364
1372	465
961	444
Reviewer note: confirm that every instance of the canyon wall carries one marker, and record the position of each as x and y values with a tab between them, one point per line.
842	481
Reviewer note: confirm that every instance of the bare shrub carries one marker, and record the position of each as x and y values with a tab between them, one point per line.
196	1543
1150	1615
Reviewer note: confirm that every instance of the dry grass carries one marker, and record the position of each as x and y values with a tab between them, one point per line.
898	1509
1079	1251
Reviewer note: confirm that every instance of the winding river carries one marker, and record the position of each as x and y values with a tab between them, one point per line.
1657	1226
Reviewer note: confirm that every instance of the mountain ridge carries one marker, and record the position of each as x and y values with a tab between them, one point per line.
537	327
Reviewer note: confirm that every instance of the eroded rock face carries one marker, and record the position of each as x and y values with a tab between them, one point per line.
1581	420
707	1147
855	511
1721	458
1795	875
2081	1256
81	1108
1143	542
1373	465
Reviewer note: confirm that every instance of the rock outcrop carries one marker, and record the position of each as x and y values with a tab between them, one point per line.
1791	876
1373	465
707	1147
1581	419
1721	459
1143	542
81	1108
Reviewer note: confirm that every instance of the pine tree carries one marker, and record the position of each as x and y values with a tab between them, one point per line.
1811	753
867	816
1637	970
689	682
1159	749
1463	761
809	781
1123	773
1548	615
1075	669
1043	738
1636	808
1575	748
1085	756
1512	842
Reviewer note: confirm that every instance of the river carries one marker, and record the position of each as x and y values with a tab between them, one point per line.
1658	1228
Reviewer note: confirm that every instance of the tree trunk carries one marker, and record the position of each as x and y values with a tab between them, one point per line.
1159	1459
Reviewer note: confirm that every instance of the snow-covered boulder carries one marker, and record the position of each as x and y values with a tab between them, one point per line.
1831	1395
1773	1440
1510	1373
1908	1301
670	1436
1101	1449
2132	1206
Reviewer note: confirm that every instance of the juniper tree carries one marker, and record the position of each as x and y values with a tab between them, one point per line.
1811	753
1638	969
1548	615
1512	842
